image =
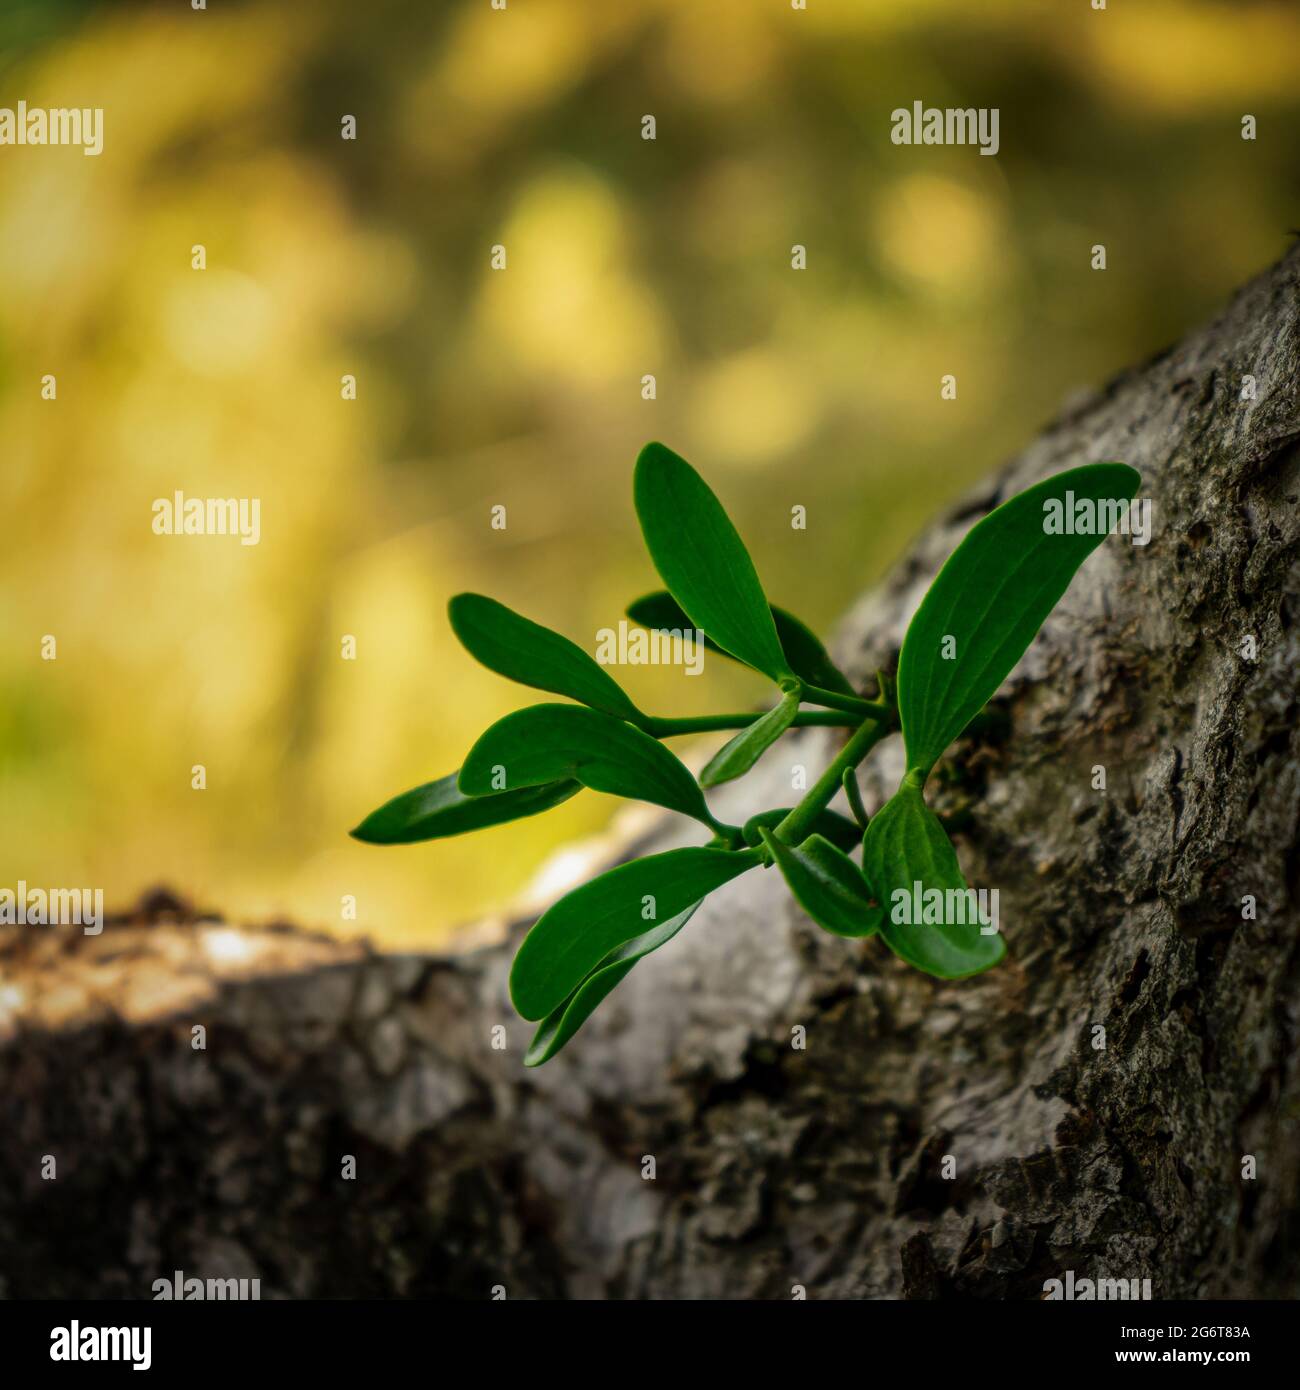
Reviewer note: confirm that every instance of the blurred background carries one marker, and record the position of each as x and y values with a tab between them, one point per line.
522	387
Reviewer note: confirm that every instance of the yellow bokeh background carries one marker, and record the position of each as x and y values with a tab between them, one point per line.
522	387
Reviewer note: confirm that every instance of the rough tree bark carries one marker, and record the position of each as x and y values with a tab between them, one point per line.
777	1166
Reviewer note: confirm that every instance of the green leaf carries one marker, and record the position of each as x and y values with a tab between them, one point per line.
991	597
546	743
838	829
439	809
827	884
739	754
559	1026
905	845
808	659
703	561
521	650
574	935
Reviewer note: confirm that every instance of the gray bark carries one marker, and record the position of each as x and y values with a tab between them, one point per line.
778	1166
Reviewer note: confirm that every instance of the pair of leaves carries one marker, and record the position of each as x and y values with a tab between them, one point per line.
523	651
984	608
808	658
827	884
704	562
905	851
439	809
559	1026
989	600
545	744
574	935
713	586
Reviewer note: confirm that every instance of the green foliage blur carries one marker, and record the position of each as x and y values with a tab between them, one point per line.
522	387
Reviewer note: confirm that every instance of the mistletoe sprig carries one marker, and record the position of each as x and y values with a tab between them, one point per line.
974	624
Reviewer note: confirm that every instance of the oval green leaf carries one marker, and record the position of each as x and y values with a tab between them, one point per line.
521	650
907	855
574	935
548	743
991	597
438	809
559	1026
827	884
739	754
703	561
838	829
808	659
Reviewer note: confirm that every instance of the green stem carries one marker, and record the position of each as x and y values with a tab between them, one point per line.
710	723
726	836
800	821
832	699
854	794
